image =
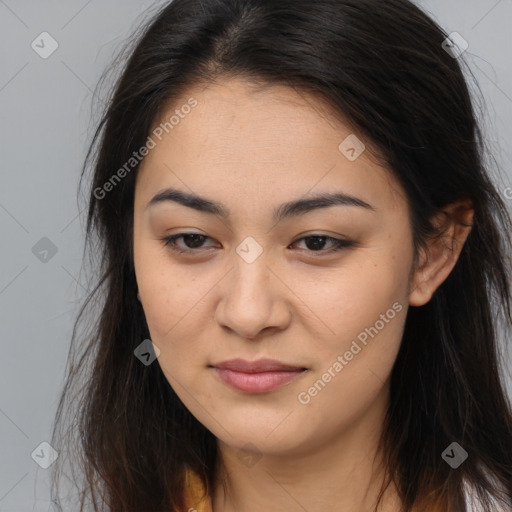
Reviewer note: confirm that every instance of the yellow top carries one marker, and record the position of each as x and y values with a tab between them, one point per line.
196	497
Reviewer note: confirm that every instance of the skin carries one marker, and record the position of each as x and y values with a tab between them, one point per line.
253	150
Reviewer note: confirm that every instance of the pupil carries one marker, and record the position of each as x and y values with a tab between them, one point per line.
196	239
315	245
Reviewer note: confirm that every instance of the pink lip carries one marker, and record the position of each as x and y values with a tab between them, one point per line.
256	377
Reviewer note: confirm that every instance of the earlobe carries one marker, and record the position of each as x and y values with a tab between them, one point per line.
442	252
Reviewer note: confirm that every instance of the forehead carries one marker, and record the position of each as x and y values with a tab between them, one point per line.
253	139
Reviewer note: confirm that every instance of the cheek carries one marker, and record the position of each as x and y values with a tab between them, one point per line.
154	285
350	300
175	304
352	376
366	307
167	292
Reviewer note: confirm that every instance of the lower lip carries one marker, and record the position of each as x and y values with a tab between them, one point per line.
256	382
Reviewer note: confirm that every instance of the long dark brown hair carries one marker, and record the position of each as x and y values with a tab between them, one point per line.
382	66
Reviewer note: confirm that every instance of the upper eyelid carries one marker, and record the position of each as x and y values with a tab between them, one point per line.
307	235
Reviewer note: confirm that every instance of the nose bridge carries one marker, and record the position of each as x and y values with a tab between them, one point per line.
250	277
250	299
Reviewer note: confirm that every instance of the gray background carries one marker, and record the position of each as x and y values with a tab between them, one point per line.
46	123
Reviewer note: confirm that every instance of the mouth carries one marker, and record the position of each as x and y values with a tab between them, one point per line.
260	376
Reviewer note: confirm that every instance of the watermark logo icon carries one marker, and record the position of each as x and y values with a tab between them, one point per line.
249	250
147	352
454	455
44	45
352	147
44	250
45	455
455	45
249	455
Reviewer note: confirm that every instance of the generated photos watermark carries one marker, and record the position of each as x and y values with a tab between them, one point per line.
304	397
137	156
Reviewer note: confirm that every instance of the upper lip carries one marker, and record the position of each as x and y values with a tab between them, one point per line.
262	365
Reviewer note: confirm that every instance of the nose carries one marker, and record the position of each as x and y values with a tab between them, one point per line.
254	299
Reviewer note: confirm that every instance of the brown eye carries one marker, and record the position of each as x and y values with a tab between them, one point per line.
192	241
316	243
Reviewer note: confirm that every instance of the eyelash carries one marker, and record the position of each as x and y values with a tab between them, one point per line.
170	242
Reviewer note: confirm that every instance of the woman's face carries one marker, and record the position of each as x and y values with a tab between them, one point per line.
253	286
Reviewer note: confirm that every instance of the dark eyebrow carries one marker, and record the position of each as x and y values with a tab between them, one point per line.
290	209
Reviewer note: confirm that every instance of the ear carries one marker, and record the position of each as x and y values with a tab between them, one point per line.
437	261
